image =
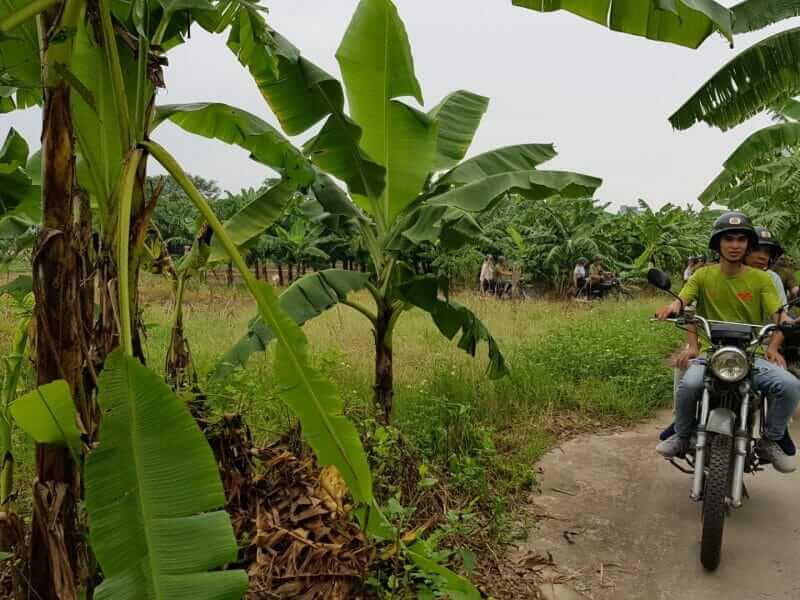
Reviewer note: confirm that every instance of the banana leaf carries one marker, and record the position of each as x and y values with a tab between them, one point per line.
256	217
452	318
752	15
235	126
458	116
154	496
301	95
764	145
761	77
682	22
304	300
377	67
508	159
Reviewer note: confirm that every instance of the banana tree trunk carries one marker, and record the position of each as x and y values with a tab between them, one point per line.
178	369
383	394
280	274
258	269
230	274
291	273
57	287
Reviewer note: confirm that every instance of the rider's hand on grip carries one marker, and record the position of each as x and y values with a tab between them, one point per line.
666	312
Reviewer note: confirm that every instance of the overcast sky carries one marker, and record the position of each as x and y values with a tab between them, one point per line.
602	97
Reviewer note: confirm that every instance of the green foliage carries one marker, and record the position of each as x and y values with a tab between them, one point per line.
47	414
683	22
149	494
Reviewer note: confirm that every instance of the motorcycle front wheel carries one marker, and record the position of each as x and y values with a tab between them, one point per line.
717	487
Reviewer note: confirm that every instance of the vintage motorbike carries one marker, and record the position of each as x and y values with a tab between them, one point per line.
731	418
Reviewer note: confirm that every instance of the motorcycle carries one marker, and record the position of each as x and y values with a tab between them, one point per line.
730	419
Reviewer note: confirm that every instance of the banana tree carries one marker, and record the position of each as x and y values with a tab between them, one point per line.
101	63
431	194
765	169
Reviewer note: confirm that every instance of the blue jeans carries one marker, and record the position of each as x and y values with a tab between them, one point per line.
781	387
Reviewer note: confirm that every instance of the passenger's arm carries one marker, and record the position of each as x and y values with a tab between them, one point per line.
774	349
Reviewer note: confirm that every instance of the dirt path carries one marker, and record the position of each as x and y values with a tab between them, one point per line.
625	527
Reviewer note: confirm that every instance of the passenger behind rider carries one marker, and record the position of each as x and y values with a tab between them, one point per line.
763	257
732	291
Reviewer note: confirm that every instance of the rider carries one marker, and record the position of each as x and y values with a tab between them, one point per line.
763	256
732	291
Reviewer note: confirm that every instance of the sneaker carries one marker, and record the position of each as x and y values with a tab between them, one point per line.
787	444
667	433
673	446
770	451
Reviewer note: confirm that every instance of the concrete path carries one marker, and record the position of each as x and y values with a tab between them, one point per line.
623	525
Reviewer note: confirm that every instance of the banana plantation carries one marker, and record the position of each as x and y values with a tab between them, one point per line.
123	474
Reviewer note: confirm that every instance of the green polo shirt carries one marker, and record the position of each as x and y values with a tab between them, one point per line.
749	297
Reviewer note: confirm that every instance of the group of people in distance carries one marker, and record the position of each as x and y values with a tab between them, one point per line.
589	277
496	276
740	288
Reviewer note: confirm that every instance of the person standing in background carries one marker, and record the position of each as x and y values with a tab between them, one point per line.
486	278
690	268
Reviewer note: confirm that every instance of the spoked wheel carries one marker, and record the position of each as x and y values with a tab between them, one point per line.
714	507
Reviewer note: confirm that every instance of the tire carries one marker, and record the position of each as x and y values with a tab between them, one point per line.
716	491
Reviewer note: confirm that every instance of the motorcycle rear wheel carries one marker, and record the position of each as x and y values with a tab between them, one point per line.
717	487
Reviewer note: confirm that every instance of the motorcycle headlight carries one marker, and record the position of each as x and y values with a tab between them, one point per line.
730	364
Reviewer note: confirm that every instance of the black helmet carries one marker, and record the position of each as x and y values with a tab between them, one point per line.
732	222
766	239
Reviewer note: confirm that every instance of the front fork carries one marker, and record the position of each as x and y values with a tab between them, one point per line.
740	453
741	439
700	448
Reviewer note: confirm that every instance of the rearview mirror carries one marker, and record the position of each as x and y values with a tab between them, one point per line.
659	279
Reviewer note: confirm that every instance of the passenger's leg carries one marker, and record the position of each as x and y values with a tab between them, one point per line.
783	389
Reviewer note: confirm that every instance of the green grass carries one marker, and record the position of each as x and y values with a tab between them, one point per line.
574	367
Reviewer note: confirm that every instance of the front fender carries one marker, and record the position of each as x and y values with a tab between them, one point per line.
722	421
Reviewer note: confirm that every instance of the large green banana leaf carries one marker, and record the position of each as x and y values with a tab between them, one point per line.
315	400
508	159
376	63
762	76
256	217
683	22
752	15
458	117
764	145
154	496
450	216
481	194
301	95
20	71
235	126
305	299
451	318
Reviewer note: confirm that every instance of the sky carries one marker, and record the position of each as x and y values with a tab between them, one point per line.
603	98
